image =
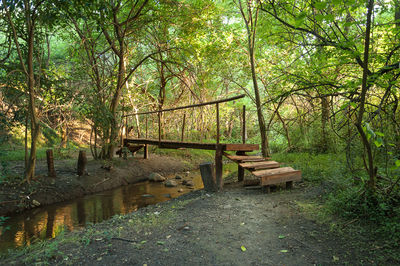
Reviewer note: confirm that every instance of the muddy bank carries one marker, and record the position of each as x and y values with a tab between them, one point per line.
235	227
16	197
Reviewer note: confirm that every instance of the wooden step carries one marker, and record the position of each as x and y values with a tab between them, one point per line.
277	175
244	158
260	165
241	147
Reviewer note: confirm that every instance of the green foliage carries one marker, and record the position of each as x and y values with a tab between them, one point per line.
316	167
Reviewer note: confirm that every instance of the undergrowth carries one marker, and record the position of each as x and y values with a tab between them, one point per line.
346	204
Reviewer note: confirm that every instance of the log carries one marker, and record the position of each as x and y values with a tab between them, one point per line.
208	176
82	160
51	172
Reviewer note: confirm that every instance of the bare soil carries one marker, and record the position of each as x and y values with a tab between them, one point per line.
233	227
17	196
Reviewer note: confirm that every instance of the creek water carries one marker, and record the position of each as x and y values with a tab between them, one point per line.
49	221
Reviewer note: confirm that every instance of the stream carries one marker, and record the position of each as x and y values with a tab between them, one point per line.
49	221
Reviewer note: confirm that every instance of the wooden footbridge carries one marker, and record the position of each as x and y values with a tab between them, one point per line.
268	172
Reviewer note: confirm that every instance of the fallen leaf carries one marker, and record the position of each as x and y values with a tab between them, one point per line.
281	237
284	251
160	242
335	258
243	248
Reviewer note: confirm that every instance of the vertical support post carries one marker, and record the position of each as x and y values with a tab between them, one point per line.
146	126
244	125
240	169
82	160
159	127
50	164
218	167
146	151
217	123
183	127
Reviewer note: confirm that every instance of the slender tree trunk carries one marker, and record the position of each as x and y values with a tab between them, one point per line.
114	130
251	26
35	129
364	88
324	121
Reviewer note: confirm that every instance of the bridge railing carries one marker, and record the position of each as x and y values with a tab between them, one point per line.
216	103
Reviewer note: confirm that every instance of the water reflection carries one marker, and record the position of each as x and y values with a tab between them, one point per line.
49	221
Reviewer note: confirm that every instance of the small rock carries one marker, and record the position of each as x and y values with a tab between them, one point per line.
171	183
155	177
186	228
35	203
147	196
187	172
178	177
189	183
180	190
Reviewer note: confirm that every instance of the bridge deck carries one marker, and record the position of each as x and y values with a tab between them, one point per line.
194	145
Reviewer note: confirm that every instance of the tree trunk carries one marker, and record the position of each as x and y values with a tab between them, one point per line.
364	88
324	120
35	129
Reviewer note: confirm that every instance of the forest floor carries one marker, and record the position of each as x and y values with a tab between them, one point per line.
233	227
16	195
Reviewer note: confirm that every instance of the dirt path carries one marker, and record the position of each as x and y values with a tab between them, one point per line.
235	227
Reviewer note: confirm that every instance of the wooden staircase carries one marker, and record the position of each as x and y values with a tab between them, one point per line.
268	172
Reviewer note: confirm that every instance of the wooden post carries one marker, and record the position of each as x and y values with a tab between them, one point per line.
217	123
208	176
159	127
289	185
82	160
183	126
240	169
146	151
244	125
146	126
50	164
218	167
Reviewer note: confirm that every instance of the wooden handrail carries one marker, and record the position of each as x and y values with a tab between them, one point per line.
188	106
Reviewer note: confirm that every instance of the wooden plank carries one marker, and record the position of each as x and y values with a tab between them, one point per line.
173	144
241	147
260	165
243	158
281	178
262	173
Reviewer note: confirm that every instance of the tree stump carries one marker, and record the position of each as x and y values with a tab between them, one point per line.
82	160
51	172
208	176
